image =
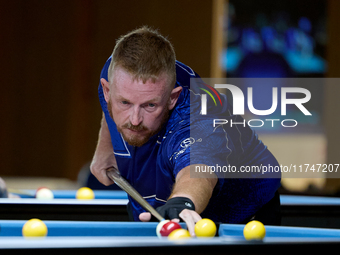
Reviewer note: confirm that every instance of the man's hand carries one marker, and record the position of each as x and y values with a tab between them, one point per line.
174	206
99	166
190	217
193	191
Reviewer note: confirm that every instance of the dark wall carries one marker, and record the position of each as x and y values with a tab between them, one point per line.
51	56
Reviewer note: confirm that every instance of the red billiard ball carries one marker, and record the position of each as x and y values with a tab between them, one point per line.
169	227
41	187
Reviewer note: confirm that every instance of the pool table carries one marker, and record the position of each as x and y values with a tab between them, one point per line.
308	211
85	237
107	205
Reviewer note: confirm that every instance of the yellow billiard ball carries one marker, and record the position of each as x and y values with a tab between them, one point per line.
85	193
254	230
34	228
179	234
205	228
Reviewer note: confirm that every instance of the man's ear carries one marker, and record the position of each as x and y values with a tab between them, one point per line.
174	96
106	89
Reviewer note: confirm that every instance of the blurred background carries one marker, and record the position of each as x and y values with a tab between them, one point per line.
52	53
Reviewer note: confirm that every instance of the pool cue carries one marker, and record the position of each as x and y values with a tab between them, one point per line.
115	176
20	192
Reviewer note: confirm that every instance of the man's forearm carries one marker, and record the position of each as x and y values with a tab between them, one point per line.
103	157
104	138
199	190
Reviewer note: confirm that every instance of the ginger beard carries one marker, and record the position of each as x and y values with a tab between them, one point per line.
143	133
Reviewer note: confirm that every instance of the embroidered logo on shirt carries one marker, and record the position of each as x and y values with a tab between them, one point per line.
186	143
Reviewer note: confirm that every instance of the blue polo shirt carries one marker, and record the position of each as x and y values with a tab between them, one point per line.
152	168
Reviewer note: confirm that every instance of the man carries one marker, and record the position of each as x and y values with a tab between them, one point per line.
145	134
4	192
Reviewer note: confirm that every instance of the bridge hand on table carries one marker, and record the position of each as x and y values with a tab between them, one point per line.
175	209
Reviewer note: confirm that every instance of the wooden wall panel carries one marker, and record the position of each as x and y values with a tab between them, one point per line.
35	43
52	54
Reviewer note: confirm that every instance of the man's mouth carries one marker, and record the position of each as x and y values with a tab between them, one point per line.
134	130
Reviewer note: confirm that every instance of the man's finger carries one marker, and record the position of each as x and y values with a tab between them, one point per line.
106	180
145	216
102	177
176	220
190	217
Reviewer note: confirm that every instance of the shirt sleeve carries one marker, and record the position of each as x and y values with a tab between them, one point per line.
190	146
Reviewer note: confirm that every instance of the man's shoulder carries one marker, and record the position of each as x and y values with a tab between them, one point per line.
177	124
183	129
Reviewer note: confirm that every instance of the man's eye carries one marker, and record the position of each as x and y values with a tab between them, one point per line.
151	105
125	102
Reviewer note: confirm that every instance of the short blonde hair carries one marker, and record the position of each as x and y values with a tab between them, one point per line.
145	54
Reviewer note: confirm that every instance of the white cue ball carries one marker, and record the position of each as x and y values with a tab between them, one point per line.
159	227
44	193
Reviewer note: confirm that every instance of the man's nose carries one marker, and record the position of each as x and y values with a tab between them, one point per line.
136	116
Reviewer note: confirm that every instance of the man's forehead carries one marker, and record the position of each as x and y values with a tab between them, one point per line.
125	88
121	75
124	83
